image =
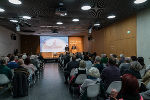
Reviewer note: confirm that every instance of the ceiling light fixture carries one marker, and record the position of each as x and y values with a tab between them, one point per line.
97	24
111	17
14	21
75	20
2	10
86	7
59	23
16	2
139	1
26	17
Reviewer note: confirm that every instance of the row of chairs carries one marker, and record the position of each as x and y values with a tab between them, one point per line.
93	90
6	84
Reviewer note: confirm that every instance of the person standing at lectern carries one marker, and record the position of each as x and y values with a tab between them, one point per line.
66	48
74	47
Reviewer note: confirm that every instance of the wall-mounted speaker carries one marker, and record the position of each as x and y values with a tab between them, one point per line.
13	37
90	37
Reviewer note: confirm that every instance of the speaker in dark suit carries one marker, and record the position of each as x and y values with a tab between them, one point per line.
74	47
66	48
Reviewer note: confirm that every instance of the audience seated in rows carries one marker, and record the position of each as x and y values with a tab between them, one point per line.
5	70
129	89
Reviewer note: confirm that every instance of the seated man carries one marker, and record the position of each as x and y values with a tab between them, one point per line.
70	66
20	80
12	64
110	73
5	70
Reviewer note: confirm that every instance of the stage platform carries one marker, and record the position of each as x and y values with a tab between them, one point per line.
50	60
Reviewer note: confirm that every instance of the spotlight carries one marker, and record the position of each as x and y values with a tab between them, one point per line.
86	7
59	23
14	21
16	2
75	20
111	17
26	17
139	1
2	10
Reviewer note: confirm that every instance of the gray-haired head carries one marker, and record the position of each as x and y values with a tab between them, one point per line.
135	65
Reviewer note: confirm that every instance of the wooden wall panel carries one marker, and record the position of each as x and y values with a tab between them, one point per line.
116	38
30	44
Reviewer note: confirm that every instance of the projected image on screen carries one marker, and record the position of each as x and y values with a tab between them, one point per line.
53	44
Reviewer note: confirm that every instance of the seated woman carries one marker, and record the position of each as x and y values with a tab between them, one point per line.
97	64
81	69
129	89
78	71
21	68
93	78
31	68
5	70
135	69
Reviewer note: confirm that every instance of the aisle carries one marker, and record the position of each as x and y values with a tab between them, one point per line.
50	87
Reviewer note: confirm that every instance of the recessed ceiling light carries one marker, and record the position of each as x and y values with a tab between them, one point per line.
75	20
87	7
59	23
16	2
139	1
63	14
14	21
26	17
111	17
2	10
97	24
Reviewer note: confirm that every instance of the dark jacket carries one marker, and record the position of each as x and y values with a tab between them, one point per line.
71	65
20	84
110	74
5	70
134	73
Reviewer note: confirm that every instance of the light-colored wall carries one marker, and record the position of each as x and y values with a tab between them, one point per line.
6	44
143	35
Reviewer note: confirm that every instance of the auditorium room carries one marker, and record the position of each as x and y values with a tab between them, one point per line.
74	49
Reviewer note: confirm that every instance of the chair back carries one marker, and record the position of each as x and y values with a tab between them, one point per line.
72	72
93	90
114	85
4	79
80	78
142	72
139	81
12	70
148	86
